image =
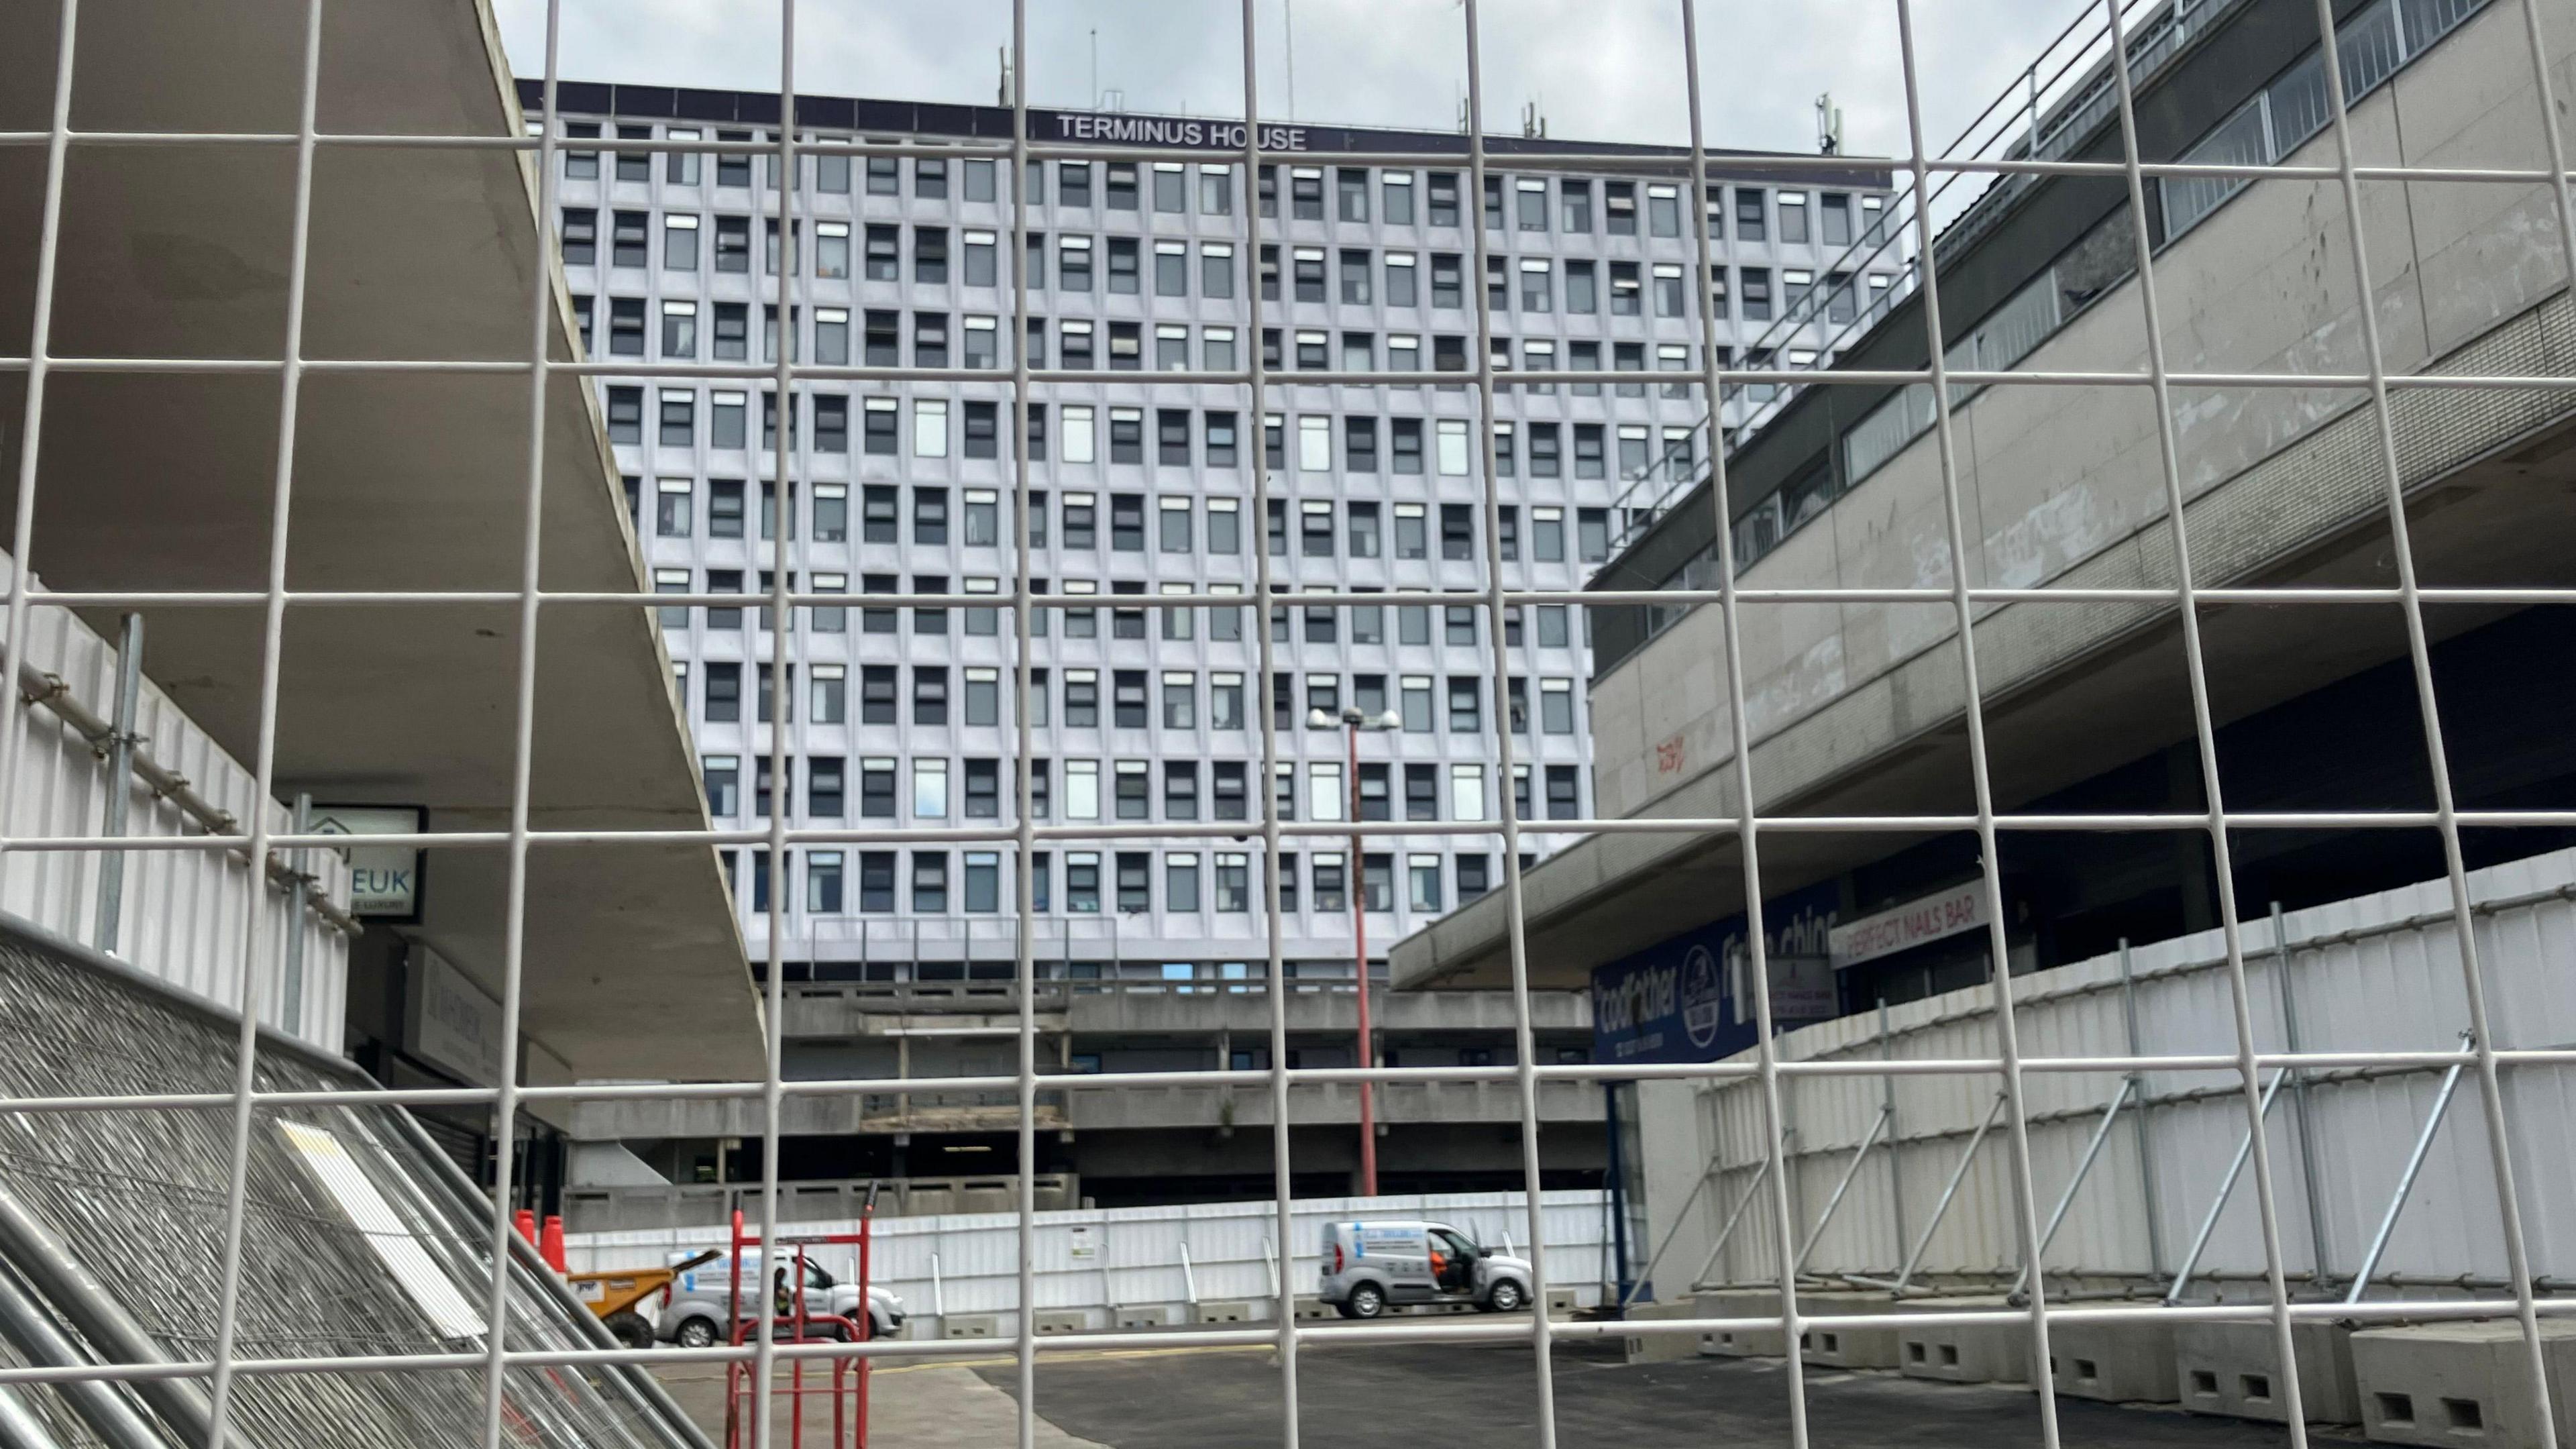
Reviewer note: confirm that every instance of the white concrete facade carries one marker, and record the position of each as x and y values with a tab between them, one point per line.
1143	490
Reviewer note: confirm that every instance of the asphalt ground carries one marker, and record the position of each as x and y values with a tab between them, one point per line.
1462	1396
1423	1396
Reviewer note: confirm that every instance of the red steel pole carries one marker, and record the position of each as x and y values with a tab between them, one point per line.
1359	936
867	1311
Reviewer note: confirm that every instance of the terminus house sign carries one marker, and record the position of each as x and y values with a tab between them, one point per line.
1186	131
384	880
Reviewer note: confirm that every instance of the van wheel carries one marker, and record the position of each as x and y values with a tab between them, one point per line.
630	1328
1505	1298
697	1333
1365	1301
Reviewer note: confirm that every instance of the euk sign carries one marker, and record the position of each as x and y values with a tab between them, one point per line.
384	880
1900	928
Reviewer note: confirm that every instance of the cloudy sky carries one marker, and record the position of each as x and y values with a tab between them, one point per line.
1597	69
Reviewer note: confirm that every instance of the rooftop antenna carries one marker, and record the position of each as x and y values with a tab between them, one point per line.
1829	125
1095	67
1533	123
1288	27
1002	54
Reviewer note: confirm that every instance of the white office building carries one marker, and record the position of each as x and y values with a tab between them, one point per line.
904	717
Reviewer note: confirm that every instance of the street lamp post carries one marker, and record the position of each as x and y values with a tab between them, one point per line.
1351	721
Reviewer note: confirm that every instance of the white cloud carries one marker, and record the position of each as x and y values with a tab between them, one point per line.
1604	70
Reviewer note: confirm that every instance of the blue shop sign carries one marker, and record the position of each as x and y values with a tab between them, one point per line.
1688	999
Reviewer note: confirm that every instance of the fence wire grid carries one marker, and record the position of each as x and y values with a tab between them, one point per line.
239	1350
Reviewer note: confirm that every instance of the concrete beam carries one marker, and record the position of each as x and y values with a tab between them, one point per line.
1858	709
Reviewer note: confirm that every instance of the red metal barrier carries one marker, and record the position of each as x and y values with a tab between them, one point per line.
848	1384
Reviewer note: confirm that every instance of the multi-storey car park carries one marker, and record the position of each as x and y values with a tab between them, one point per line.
902	716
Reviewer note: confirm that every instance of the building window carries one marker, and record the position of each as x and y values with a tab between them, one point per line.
983	867
723	774
930	789
929	881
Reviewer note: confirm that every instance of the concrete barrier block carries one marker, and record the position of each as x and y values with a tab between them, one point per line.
2235	1369
1055	1322
1976	1353
1145	1315
970	1325
1222	1310
2129	1362
1742	1343
1561	1303
1846	1347
2460	1383
1310	1308
1661	1347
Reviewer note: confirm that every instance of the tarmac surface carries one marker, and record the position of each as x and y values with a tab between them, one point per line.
1427	1396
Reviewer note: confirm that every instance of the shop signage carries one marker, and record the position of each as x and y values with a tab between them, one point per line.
1690	999
384	880
451	1022
1901	928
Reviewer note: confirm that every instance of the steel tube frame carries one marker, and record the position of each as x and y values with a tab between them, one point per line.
2406	1180
1949	1193
1767	1070
1627	1287
120	787
2075	1183
28	1328
2139	1123
21	1429
2226	1188
2300	1106
1752	1190
1859	1155
1887	1104
67	1284
1356	883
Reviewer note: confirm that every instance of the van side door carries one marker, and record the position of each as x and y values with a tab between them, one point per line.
1407	1262
1465	1264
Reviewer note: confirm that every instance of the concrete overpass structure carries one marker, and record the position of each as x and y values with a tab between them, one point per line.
1856	707
1164	1142
161	480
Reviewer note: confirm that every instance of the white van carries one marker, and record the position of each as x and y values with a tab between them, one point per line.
1371	1265
694	1308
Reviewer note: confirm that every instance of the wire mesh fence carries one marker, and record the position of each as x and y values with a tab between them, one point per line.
285	1315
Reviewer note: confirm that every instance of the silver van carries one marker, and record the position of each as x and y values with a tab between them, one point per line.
693	1312
1371	1265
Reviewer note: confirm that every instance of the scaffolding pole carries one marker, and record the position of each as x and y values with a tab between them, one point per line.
2083	1166
2226	1187
2406	1178
1859	1155
2139	1124
1940	1208
120	783
2299	1105
1732	1218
